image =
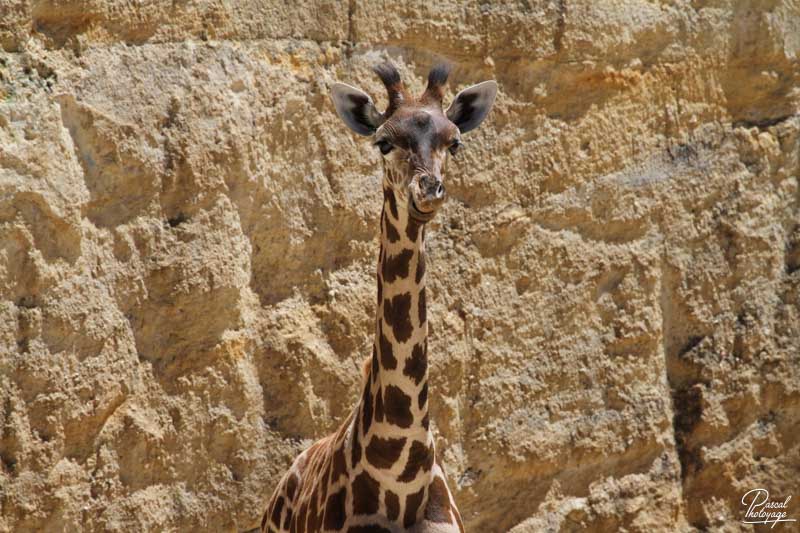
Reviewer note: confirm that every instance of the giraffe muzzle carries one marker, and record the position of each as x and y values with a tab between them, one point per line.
427	194
432	189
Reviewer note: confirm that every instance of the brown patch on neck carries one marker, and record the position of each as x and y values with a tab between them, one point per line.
413	504
396	267
389	199
397	314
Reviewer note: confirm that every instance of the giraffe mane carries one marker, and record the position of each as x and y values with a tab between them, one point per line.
365	368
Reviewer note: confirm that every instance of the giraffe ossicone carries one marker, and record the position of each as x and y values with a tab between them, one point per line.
378	472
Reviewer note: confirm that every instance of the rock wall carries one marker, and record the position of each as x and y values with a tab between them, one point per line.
188	237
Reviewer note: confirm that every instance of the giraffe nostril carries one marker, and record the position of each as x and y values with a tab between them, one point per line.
432	187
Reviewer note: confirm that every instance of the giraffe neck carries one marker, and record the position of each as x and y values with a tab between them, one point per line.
391	426
400	356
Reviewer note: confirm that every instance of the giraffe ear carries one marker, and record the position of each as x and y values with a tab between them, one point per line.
472	105
356	109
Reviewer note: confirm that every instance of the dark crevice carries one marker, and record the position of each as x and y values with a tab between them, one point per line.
177	220
682	152
23	346
27	302
762	124
561	23
351	30
688	408
9	464
691	344
687	404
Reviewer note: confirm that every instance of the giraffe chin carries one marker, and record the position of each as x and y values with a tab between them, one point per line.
418	214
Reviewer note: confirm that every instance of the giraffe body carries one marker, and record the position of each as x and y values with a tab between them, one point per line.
378	472
291	504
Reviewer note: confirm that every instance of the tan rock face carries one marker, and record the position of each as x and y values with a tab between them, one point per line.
188	238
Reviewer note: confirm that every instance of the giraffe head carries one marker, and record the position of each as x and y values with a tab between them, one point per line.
415	135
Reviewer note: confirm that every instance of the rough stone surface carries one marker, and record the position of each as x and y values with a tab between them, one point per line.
188	239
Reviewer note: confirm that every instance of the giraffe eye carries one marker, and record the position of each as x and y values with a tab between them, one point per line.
455	146
384	146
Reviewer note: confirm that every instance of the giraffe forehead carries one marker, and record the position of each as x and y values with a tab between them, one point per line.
420	126
422	118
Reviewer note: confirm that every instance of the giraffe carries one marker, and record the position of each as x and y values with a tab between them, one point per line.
378	472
